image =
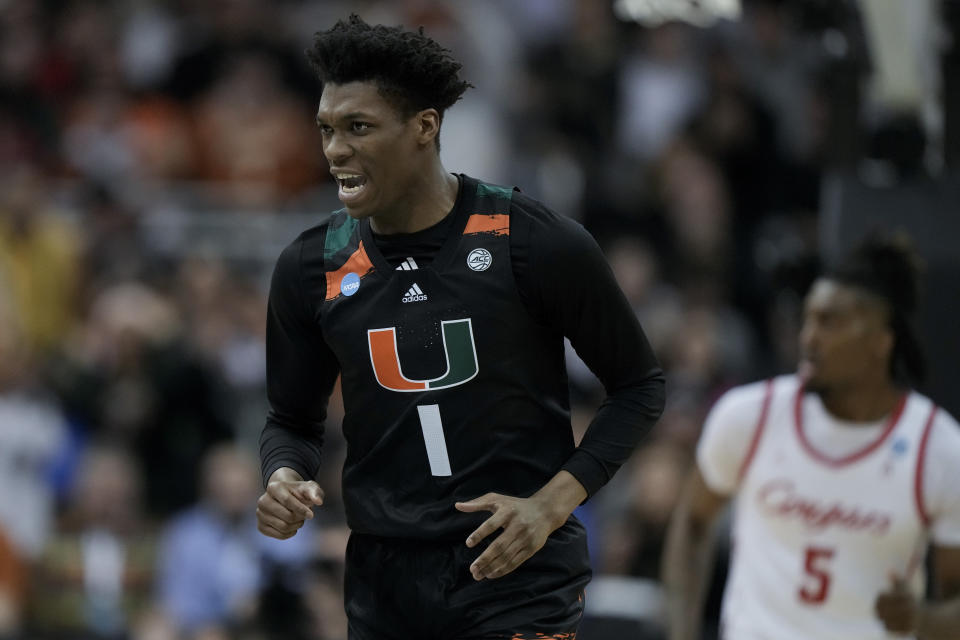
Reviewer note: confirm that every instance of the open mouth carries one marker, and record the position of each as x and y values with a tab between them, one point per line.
350	183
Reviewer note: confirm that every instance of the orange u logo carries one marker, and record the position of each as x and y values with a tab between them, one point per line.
458	345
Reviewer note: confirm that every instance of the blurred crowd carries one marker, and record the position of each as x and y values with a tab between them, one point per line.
155	156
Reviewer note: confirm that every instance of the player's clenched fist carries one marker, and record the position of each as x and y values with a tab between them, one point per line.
898	609
287	503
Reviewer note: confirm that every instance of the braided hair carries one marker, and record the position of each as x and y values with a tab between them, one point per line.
410	69
888	267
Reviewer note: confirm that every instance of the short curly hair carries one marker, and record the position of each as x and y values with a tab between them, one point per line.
410	69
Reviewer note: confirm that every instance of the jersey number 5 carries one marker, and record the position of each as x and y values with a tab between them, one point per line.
816	585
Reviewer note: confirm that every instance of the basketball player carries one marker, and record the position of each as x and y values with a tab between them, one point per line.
442	303
843	476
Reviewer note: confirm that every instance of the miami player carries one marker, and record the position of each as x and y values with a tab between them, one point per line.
442	302
843	477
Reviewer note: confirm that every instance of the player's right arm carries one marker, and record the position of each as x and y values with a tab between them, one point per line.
287	503
688	556
722	456
301	372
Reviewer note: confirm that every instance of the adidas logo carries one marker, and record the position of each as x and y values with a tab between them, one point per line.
414	294
407	265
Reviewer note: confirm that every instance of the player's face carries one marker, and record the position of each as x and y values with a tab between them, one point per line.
844	338
372	150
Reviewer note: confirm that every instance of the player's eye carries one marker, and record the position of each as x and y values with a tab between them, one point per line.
325	129
359	127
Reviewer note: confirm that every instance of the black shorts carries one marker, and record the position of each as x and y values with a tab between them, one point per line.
402	589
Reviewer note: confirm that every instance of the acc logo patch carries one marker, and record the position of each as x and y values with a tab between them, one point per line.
479	260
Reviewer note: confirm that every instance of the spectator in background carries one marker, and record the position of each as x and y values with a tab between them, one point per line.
13	582
39	259
95	578
662	86
132	376
626	598
33	435
212	560
253	136
112	248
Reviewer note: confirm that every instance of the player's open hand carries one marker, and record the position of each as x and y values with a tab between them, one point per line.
526	523
286	504
897	608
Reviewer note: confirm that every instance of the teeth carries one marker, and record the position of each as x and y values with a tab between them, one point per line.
350	182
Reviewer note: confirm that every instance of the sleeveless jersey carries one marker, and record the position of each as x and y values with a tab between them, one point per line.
450	388
816	538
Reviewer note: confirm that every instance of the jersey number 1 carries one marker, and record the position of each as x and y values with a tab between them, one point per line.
817	585
434	440
460	352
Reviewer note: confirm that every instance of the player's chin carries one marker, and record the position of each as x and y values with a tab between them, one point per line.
811	375
358	212
816	385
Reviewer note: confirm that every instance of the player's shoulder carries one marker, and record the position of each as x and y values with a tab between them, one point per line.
550	235
318	246
523	208
540	216
944	428
753	395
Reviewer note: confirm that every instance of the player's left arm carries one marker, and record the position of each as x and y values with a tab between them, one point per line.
940	618
571	286
526	523
935	619
939	615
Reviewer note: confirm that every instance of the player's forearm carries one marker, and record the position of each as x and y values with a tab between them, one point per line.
282	446
940	620
687	566
559	497
626	417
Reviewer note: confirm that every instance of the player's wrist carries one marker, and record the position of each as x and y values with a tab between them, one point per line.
285	474
560	497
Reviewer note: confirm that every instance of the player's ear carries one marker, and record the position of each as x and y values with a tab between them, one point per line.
885	343
428	125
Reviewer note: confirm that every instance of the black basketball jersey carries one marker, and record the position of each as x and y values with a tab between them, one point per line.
452	360
450	388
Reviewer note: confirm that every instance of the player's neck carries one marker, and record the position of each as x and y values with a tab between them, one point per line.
867	401
429	199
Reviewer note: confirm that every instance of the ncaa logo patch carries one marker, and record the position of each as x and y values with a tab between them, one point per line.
349	284
900	446
479	260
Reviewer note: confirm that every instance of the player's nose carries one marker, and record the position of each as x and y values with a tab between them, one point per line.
336	149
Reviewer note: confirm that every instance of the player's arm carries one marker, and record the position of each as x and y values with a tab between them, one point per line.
688	556
940	617
936	619
731	429
301	372
526	523
567	285
571	287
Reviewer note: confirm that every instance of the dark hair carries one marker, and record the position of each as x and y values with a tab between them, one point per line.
887	266
410	69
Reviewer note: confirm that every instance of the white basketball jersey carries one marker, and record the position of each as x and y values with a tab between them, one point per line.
816	538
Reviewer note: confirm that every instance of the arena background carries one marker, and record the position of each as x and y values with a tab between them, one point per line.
156	156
